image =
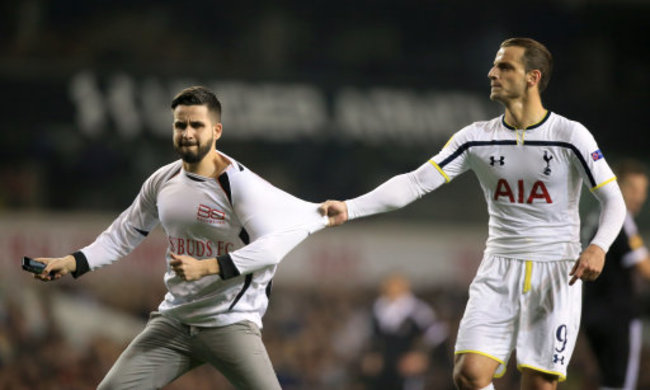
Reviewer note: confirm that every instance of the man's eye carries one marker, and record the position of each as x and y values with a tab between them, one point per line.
180	125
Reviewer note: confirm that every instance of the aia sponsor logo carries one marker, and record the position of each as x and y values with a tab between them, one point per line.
520	194
210	215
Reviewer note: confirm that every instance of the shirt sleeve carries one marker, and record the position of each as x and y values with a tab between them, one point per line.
600	179
396	192
590	161
127	231
612	215
275	221
403	189
452	160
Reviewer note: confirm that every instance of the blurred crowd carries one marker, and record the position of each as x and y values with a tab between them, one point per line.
318	339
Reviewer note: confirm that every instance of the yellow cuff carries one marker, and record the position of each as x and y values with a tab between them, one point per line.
603	183
440	170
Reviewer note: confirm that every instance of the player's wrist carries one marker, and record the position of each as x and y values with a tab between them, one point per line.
596	249
211	266
70	263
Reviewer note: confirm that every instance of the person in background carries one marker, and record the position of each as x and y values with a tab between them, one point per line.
611	306
406	336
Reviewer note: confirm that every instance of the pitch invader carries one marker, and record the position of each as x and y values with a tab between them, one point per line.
531	165
227	230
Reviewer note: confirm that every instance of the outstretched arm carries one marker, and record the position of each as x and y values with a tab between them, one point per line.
125	233
393	194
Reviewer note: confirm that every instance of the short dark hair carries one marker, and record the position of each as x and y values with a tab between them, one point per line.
198	96
628	167
536	56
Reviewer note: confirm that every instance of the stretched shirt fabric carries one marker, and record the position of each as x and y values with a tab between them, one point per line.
239	218
531	180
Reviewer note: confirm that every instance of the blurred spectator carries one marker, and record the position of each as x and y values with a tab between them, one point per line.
406	337
611	307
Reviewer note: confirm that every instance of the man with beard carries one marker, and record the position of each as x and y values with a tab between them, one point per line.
227	229
531	165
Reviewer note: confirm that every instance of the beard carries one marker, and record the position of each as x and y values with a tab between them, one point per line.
193	156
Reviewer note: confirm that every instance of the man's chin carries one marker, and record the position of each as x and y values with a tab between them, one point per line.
190	159
193	154
495	97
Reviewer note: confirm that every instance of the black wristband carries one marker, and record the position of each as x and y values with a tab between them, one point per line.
82	264
227	268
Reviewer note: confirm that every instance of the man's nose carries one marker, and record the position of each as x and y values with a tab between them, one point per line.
189	132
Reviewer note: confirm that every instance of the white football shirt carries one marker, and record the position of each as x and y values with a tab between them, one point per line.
240	218
531	180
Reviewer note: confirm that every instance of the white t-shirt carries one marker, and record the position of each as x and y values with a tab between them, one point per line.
239	217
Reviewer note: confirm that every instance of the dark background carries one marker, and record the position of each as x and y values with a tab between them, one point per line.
58	56
601	79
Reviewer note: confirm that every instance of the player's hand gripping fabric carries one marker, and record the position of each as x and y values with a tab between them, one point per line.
589	265
189	268
336	211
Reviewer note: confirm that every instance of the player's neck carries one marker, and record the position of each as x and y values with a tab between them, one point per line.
212	165
523	113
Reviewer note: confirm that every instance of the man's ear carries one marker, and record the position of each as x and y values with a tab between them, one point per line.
218	129
534	77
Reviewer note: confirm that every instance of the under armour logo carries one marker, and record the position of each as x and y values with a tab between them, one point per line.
558	359
501	160
547	158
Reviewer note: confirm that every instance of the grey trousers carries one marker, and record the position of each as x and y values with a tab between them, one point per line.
167	349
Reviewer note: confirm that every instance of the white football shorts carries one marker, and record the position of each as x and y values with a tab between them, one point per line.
522	305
